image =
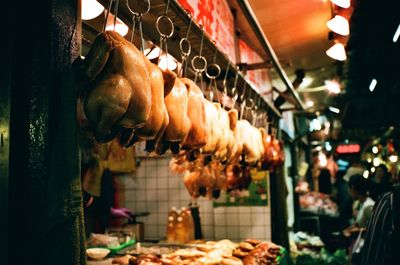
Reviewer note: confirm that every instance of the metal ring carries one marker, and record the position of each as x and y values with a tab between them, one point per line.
234	93
251	103
181	46
165	35
202	60
138	13
212	67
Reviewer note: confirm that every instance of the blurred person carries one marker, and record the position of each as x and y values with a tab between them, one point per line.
363	204
324	181
359	187
344	200
383	232
380	182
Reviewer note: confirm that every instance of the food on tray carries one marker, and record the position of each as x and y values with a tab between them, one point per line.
225	252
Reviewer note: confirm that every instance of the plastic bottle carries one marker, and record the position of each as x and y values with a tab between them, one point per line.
171	225
180	234
188	224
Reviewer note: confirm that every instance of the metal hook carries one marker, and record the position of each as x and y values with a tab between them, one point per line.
185	52
166	8
108	13
212	72
167	34
137	18
200	58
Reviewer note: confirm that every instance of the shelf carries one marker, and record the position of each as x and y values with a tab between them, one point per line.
181	22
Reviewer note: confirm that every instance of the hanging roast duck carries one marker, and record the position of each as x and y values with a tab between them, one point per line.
125	91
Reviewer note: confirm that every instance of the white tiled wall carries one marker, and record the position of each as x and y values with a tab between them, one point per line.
154	189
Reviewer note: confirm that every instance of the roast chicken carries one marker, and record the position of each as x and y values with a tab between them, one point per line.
197	136
120	92
226	137
274	155
179	122
235	145
253	148
214	134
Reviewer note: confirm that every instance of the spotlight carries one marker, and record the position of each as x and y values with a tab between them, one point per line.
337	52
91	9
339	25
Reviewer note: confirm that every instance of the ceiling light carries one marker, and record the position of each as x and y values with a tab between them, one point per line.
393	158
396	34
337	52
366	174
152	53
375	150
372	85
332	86
306	82
91	9
120	26
167	62
372	169
323	162
342	3
315	125
310	103
334	110
339	25
376	162
328	146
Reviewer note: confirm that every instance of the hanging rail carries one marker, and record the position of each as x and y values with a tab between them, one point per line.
222	58
251	18
182	20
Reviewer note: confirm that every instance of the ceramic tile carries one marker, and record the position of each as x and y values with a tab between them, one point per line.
233	219
244	219
162	183
232	233
220	232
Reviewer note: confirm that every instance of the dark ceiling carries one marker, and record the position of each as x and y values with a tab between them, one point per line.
373	55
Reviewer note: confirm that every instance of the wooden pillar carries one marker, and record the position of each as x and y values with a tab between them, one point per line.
45	197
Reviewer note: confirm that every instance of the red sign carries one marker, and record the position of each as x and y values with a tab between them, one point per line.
217	20
259	78
348	149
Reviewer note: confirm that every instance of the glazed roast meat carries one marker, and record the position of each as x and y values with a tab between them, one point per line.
197	136
119	86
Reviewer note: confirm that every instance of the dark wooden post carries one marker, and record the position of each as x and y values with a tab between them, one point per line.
45	193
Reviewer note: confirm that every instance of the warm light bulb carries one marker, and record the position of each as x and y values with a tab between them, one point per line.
342	3
337	52
332	86
372	169
310	103
323	162
339	25
393	158
366	174
120	26
375	150
91	9
152	53
167	62
376	162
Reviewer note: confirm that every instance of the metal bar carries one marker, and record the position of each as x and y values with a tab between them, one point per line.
251	18
175	5
254	66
